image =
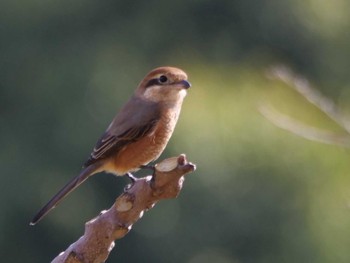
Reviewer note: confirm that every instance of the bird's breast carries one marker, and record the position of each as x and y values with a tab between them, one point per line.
148	148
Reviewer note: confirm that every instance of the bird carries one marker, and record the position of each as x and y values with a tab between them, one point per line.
137	135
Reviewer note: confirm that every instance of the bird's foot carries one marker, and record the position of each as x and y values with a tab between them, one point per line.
132	178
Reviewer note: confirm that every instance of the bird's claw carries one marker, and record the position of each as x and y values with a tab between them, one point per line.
132	178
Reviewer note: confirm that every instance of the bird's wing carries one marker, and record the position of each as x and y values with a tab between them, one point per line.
109	143
130	125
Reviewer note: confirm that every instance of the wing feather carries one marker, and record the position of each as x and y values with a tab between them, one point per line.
110	144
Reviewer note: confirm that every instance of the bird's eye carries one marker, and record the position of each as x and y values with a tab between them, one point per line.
163	79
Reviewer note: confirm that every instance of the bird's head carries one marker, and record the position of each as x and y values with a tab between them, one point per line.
164	84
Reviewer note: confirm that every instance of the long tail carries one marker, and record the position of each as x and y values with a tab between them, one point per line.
69	187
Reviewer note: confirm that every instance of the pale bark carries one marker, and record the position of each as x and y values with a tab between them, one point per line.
114	223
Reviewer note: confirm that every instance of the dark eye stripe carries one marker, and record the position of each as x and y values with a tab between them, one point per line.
152	82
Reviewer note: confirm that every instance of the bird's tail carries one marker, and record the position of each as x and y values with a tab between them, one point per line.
69	187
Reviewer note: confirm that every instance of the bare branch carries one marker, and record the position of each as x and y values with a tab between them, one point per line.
302	85
311	133
98	240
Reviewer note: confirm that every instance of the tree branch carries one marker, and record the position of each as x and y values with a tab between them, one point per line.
100	233
306	131
312	95
303	87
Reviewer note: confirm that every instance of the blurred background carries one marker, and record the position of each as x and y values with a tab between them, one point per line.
260	194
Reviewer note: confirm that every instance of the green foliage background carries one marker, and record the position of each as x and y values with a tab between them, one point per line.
259	194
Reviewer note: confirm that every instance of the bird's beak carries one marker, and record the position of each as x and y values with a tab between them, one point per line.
184	83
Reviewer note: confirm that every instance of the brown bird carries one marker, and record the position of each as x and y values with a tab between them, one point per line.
139	132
